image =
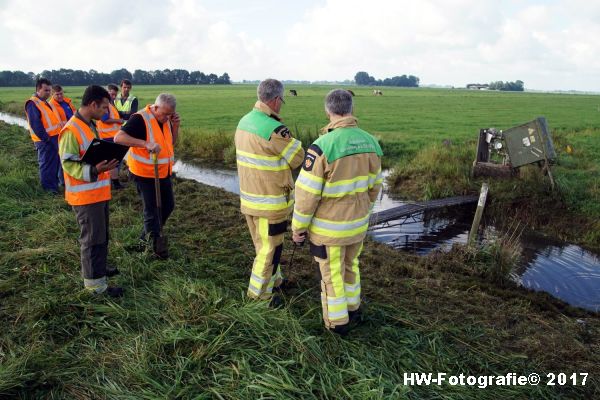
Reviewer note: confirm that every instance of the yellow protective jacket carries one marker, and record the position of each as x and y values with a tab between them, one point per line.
338	185
266	154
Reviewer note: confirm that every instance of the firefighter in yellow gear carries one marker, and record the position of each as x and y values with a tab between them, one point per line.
266	154
335	193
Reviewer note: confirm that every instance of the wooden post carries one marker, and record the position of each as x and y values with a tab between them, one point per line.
478	214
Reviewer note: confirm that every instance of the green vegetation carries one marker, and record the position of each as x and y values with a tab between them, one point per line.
186	330
412	125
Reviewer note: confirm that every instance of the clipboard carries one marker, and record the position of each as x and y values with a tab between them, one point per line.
101	150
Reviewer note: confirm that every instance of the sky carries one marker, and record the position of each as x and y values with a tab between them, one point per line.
549	45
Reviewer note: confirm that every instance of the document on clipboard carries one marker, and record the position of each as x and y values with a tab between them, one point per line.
101	150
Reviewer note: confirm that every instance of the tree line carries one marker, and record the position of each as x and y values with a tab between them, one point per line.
363	78
516	86
71	77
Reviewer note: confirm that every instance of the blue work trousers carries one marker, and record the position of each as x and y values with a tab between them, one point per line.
49	162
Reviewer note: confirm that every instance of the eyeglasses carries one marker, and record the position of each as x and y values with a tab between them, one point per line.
281	98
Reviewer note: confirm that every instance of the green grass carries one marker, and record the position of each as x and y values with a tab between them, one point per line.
412	124
408	118
186	330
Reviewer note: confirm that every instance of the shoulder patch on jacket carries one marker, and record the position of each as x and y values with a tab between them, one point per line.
309	161
316	149
283	131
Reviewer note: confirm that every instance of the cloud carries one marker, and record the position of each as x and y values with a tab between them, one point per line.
546	44
450	42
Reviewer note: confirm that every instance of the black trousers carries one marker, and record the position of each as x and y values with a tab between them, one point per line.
145	187
93	222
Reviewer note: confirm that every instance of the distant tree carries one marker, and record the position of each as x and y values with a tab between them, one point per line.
118	75
363	78
517	86
197	78
212	79
181	76
223	79
141	77
70	77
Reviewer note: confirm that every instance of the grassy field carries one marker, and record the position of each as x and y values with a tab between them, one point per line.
185	329
412	124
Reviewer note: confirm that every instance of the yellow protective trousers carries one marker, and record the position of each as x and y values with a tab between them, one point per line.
268	244
340	281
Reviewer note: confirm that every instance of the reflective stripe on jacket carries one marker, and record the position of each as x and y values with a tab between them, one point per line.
50	119
107	131
139	159
338	185
266	154
83	191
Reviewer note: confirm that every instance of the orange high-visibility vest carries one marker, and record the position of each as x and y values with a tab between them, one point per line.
58	108
50	118
79	192
140	160
108	131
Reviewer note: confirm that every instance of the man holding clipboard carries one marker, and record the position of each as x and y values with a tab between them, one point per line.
87	189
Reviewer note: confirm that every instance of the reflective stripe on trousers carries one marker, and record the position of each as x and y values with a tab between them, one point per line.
266	272
266	202
340	283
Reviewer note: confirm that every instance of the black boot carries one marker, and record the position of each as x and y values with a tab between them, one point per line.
355	316
341	330
111	270
276	302
114	291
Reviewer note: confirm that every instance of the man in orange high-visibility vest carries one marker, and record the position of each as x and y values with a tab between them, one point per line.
64	108
62	105
152	130
108	126
87	190
44	127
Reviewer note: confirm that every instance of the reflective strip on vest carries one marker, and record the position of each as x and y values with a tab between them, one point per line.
266	202
310	183
86	142
82	191
113	128
140	160
86	186
375	179
335	229
291	150
264	163
69	156
149	160
49	127
346	187
124	107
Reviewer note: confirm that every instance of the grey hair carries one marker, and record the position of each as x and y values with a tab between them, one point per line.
166	99
269	89
338	102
